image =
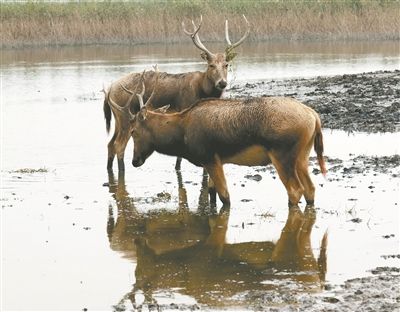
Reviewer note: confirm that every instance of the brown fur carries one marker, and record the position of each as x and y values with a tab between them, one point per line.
213	132
177	90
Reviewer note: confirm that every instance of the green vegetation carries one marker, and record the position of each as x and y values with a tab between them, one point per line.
42	23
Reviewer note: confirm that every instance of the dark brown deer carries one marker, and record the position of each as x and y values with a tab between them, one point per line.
252	132
177	90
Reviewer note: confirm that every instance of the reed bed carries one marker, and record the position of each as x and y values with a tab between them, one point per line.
77	23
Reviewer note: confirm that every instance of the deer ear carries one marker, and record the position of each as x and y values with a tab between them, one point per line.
230	56
163	109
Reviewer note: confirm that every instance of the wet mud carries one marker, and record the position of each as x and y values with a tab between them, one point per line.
368	102
379	292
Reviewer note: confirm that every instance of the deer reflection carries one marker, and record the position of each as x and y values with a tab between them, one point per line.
187	250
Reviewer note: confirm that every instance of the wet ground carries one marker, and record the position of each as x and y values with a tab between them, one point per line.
76	238
367	102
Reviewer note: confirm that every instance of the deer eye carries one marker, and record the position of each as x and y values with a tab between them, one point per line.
226	65
211	66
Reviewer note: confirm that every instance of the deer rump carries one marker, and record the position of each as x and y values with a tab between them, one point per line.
248	132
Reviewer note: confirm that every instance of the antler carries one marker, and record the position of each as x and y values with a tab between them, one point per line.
126	108
231	46
140	96
132	93
195	37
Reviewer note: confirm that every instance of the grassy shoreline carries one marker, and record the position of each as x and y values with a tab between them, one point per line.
50	24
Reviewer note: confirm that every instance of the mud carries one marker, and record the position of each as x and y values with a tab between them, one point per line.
366	102
379	292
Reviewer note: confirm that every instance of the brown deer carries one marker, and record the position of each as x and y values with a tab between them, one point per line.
177	90
252	132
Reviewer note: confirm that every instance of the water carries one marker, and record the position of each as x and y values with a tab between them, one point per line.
69	242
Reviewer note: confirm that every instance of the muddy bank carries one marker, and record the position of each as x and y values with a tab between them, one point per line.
340	169
379	292
361	102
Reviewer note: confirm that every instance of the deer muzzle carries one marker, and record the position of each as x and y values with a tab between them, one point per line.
221	84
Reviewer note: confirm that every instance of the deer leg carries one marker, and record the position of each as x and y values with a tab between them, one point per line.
182	195
178	163
211	190
286	168
121	143
302	171
111	151
203	206
120	151
120	159
216	173
309	188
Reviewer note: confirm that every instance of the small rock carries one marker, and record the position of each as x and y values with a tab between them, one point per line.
255	177
331	299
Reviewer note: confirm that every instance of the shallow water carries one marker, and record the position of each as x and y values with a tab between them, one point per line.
74	237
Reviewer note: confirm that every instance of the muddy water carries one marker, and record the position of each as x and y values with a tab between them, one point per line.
74	237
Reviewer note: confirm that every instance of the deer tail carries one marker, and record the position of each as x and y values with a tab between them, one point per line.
319	146
107	110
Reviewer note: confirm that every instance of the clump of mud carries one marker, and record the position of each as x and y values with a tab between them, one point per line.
30	170
379	292
368	102
363	164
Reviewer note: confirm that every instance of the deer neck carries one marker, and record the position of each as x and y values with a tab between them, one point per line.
167	133
208	88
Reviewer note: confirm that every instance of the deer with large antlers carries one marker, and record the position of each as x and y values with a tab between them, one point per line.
252	132
177	90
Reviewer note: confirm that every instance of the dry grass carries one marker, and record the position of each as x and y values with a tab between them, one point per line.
36	24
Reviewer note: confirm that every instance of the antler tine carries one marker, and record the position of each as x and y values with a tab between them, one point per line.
114	105
155	85
230	45
227	33
195	37
126	89
141	94
104	90
109	100
132	93
196	29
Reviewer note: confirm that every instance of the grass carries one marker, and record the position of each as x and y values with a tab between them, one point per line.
71	23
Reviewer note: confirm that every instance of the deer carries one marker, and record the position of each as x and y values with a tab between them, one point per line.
177	90
250	132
